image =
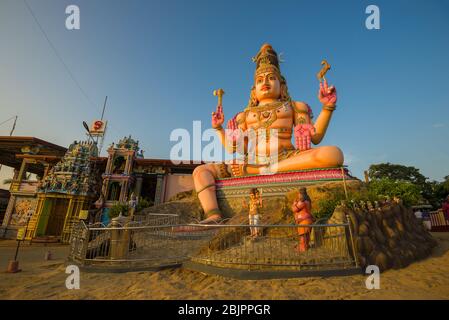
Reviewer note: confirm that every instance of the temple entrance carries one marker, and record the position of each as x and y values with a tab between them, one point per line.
119	164
56	217
149	184
115	189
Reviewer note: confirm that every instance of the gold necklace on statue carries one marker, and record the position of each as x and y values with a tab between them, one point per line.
266	114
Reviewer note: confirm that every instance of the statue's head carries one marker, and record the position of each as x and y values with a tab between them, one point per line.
303	193
254	192
268	81
267	86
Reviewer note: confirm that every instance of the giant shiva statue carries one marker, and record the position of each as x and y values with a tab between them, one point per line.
273	118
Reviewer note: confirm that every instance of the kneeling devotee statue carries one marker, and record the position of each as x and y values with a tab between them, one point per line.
273	117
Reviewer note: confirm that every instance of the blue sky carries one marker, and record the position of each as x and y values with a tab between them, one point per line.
159	61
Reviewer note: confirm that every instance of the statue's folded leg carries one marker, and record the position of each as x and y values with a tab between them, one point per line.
319	157
204	180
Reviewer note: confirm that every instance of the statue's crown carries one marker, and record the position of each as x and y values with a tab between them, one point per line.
267	60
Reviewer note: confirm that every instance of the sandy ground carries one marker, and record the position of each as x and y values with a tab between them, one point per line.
40	279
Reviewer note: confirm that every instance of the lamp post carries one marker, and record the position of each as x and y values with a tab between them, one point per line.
13	265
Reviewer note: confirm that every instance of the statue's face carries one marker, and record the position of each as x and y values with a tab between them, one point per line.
267	86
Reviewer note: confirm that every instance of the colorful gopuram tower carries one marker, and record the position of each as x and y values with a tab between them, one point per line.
70	186
118	178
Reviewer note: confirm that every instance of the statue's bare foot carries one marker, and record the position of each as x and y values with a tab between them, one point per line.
211	220
215	218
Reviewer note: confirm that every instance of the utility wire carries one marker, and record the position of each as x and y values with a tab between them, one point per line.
12	130
7	120
57	54
13	127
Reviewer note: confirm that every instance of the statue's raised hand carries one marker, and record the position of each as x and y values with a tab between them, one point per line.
327	95
233	132
217	117
303	136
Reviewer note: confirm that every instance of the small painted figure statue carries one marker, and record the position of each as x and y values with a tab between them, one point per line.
133	202
255	202
301	208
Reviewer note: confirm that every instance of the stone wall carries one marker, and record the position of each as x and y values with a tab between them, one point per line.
389	236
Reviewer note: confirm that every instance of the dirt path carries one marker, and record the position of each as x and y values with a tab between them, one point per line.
427	279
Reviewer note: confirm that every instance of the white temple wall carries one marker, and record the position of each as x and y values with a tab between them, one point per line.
176	183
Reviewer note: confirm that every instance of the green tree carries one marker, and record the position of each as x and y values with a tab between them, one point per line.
431	191
439	191
409	193
396	172
118	208
144	203
445	184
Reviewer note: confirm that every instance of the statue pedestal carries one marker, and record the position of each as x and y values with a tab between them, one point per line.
280	183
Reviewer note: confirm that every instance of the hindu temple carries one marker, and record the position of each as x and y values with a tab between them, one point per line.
75	180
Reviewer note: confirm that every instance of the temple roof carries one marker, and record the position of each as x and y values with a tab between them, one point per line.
153	162
164	163
13	149
10	146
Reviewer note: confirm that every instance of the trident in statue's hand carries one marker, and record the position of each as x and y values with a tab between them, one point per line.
326	94
219	92
218	116
326	67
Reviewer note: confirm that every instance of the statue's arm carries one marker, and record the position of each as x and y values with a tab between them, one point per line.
300	205
321	123
222	136
230	138
328	97
303	114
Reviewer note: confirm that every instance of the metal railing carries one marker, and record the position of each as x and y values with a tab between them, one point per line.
330	246
155	219
151	242
227	246
438	219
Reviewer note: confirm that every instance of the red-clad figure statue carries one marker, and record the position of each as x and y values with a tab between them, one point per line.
302	208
